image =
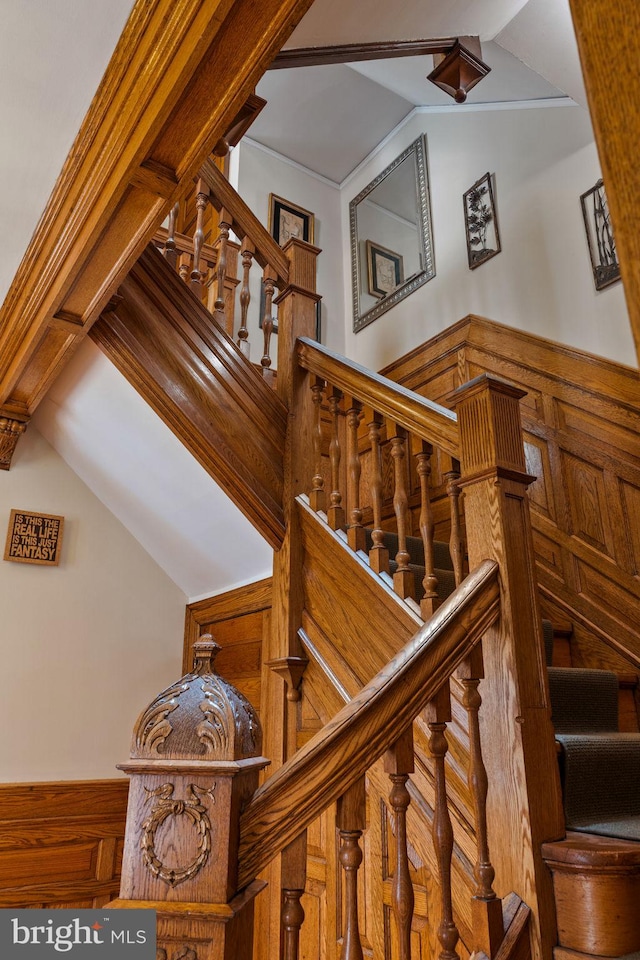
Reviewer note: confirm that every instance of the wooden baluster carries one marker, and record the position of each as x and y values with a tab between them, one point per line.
355	532
430	602
456	546
398	763
378	555
486	907
224	226
403	582
317	498
267	321
351	821
438	714
248	251
335	513
202	199
184	266
170	251
293	879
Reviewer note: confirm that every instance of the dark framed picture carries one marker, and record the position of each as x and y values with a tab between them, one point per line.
274	314
286	220
602	247
385	270
481	222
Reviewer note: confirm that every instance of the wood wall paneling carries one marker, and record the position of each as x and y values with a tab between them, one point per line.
61	843
581	421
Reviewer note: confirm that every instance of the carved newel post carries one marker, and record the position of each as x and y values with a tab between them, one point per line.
195	759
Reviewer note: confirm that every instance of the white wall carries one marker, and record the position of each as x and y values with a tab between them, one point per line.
259	172
87	644
543	159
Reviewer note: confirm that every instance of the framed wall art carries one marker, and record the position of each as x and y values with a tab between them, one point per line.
385	270
34	537
286	220
602	247
481	222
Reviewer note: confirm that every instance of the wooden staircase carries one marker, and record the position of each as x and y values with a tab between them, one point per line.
337	467
342	458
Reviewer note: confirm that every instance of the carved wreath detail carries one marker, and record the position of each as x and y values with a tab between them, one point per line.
166	807
183	953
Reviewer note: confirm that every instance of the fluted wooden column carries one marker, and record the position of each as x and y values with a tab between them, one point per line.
523	803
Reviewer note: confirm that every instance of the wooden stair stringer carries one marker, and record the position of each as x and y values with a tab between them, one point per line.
613	631
171	350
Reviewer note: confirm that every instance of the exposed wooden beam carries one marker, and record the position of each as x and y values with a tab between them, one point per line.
354	52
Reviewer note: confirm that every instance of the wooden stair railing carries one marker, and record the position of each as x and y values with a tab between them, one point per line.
477	453
367	726
207	260
332	765
410	428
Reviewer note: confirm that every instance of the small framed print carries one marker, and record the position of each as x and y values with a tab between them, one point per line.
602	245
481	222
287	221
34	537
385	270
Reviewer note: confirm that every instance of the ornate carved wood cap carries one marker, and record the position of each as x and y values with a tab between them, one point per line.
201	717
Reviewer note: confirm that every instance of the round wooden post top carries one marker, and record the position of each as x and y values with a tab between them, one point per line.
201	717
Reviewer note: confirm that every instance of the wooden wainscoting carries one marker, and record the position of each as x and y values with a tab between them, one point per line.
61	843
581	419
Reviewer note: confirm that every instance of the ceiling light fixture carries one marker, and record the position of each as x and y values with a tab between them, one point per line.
459	69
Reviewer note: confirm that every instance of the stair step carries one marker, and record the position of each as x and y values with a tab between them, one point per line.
446	580
583	700
601	783
597	890
415	549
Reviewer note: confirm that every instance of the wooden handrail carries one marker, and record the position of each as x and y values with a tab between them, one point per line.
428	420
244	222
360	733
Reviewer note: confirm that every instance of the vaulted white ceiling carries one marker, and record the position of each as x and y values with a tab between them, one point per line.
52	56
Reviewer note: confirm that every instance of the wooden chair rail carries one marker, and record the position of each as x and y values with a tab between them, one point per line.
244	222
416	414
367	726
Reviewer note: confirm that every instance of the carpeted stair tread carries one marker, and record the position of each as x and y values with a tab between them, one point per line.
415	549
601	782
583	700
620	828
446	580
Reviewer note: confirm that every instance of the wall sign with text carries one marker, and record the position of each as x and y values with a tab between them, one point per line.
34	537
